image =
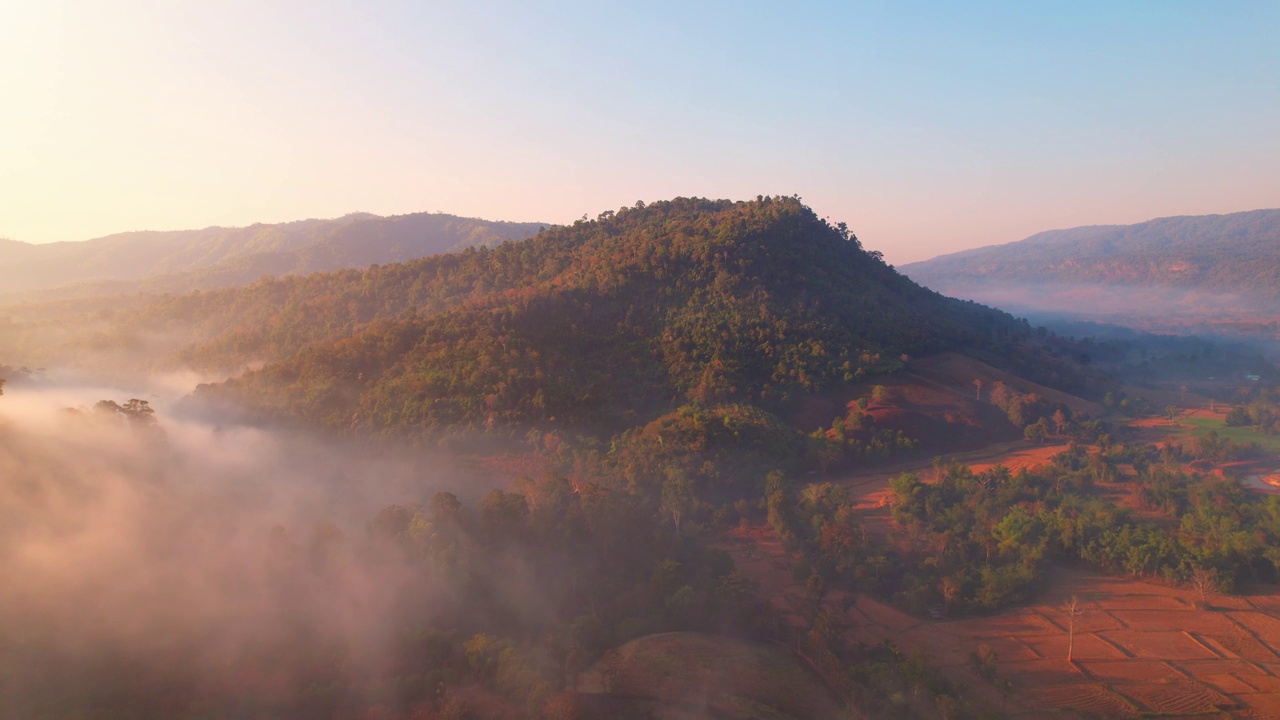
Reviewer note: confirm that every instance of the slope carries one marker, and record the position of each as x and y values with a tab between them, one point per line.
611	322
180	261
1201	267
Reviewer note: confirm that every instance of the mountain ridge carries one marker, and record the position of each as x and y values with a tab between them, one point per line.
184	260
1188	250
1189	273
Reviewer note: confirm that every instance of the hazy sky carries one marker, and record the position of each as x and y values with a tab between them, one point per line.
928	127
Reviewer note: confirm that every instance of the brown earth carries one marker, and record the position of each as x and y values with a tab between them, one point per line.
1141	649
686	675
934	400
957	373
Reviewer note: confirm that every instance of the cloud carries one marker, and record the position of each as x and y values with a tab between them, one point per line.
194	553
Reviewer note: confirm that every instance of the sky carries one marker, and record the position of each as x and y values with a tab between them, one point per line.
927	127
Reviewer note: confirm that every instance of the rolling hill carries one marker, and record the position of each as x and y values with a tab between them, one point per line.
730	325
612	322
180	261
1188	269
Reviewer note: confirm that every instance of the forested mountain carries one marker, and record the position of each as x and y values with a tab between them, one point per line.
1217	272
610	321
184	260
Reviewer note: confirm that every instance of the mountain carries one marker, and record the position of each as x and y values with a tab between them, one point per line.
611	322
1193	267
185	260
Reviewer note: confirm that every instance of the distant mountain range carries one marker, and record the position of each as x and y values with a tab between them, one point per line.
184	260
1170	268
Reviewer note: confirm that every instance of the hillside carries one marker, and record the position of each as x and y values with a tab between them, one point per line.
1178	266
614	321
180	261
764	315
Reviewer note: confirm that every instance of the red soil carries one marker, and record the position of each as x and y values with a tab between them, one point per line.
1139	648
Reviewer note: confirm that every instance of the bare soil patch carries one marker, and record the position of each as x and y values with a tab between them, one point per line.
957	372
1139	648
691	675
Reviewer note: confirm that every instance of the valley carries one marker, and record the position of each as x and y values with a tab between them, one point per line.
530	480
637	361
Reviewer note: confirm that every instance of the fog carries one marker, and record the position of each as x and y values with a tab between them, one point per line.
192	549
1108	301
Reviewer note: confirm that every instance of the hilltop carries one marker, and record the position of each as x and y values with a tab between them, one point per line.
184	260
638	310
652	319
1195	267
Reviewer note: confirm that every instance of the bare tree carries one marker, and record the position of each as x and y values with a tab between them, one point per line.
950	590
1072	608
1205	581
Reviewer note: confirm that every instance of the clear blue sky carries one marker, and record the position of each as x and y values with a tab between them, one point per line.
928	127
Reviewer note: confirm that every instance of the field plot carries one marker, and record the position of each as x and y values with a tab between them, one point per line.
1139	650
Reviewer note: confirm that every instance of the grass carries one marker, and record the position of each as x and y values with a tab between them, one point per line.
1245	435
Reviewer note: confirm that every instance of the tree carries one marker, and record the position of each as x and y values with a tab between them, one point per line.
137	413
482	652
1037	431
950	590
1239	417
1060	421
445	507
1204	580
999	394
983	660
977	383
1072	608
677	495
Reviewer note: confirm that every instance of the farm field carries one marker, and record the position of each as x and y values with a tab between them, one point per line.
1140	649
1200	426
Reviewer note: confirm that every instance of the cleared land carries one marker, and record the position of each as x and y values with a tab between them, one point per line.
684	675
1141	649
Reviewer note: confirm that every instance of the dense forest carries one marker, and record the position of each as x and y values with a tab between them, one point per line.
616	321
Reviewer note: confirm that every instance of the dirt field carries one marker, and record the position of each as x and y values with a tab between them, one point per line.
957	372
1140	649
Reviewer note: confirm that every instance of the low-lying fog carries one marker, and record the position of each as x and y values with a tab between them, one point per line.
1109	302
180	543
